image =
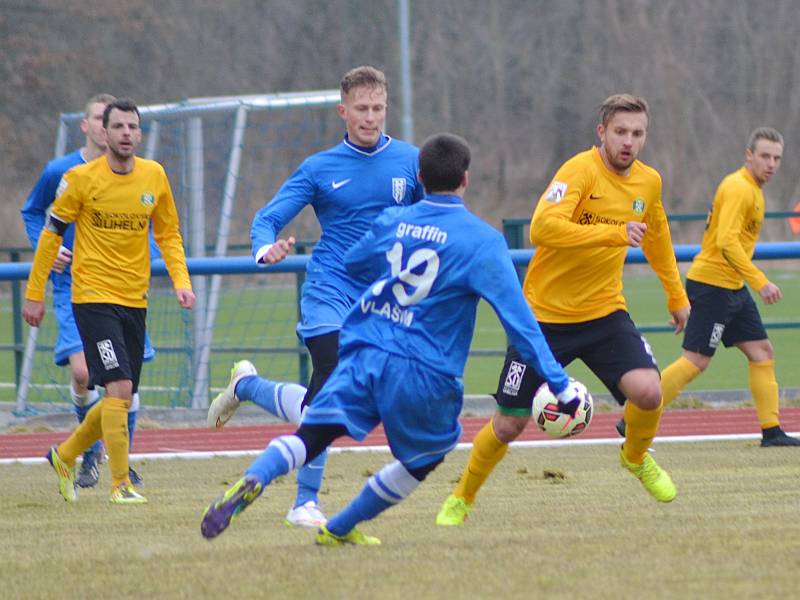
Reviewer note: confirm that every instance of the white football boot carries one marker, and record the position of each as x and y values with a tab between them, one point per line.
225	404
306	515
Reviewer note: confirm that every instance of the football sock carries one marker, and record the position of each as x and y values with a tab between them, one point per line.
641	428
82	404
764	388
309	479
115	434
280	399
486	452
386	488
283	454
676	377
133	414
87	433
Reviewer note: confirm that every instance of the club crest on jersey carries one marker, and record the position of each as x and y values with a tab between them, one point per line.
556	192
398	189
148	199
638	206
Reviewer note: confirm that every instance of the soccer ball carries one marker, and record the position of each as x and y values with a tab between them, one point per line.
555	423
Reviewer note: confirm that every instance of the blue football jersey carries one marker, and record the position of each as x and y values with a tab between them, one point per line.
430	264
34	212
348	187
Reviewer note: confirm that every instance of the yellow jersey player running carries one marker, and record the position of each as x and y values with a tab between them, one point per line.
600	202
722	308
112	200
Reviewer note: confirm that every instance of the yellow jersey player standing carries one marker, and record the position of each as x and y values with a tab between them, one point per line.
112	200
722	307
600	202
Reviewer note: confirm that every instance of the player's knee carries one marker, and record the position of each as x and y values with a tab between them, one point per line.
647	395
317	438
122	388
420	473
80	378
507	427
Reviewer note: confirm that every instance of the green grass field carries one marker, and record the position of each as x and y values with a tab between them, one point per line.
264	316
732	532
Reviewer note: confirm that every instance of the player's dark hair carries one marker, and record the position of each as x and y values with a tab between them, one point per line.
443	160
763	133
123	104
363	76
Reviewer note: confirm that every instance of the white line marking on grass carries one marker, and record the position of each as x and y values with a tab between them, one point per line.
192	455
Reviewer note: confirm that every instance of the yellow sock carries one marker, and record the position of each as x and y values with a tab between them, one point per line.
115	433
764	388
642	426
487	451
676	377
84	436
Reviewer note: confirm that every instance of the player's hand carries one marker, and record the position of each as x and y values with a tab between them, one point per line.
33	312
185	297
635	231
63	258
278	251
770	293
679	319
571	399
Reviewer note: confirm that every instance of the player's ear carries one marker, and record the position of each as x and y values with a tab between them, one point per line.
84	125
465	179
342	110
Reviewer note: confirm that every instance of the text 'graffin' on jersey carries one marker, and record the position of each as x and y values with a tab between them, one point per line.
428	233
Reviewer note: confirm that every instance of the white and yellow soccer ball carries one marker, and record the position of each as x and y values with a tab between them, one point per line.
556	423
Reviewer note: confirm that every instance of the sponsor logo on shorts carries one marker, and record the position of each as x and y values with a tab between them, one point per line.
513	381
716	335
107	354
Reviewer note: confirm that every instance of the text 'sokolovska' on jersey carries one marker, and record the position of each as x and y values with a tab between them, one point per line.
430	264
579	230
112	214
348	187
732	230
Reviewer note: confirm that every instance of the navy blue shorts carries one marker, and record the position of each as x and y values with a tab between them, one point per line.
610	346
720	315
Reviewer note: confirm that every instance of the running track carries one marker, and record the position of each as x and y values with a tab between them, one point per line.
676	425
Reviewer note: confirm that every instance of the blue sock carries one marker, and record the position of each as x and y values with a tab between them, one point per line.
309	480
282	455
131	427
367	505
80	412
258	390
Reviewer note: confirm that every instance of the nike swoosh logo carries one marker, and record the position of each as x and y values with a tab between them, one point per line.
337	184
594	197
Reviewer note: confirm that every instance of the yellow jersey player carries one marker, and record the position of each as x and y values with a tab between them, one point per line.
112	200
723	310
600	202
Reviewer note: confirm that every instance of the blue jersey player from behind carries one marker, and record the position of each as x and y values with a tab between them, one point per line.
68	347
348	186
404	345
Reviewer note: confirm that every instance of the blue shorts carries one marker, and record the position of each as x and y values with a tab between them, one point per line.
419	407
68	340
323	307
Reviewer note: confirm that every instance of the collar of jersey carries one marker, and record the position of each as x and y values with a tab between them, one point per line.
383	142
448	200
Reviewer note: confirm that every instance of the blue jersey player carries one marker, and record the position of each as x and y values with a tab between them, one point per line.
404	346
68	347
348	186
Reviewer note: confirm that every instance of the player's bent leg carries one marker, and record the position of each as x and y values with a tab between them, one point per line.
224	406
488	449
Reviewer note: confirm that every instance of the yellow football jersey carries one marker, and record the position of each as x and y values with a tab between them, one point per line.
732	229
112	215
579	231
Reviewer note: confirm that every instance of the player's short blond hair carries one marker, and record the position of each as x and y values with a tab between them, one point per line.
763	133
622	103
363	76
98	99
